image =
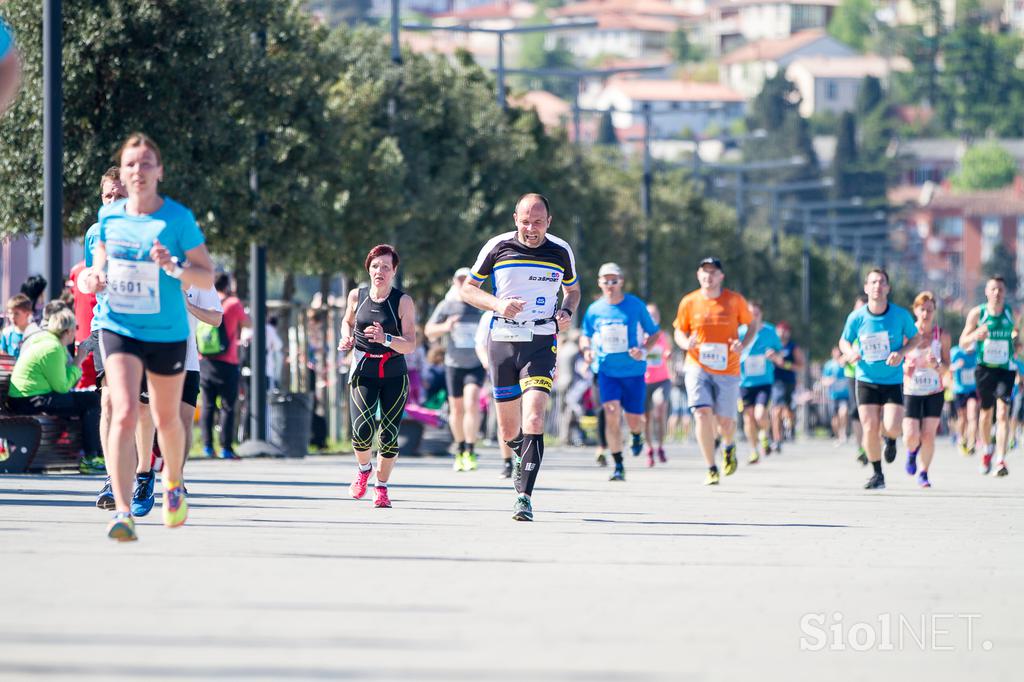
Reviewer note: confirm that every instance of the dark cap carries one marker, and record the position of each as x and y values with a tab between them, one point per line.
710	260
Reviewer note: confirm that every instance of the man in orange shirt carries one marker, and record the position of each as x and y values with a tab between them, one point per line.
707	328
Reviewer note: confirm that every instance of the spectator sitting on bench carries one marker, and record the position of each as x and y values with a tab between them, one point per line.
45	373
19	324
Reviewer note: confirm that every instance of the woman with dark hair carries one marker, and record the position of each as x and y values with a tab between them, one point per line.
380	324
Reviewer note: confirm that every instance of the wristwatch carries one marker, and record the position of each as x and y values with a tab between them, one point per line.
178	271
388	338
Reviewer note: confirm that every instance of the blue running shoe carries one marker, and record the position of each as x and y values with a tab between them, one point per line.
142	498
105	500
911	462
638	444
207	452
228	454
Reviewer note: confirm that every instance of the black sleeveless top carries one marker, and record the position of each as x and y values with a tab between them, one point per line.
374	359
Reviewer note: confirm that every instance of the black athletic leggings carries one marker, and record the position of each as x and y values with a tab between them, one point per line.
369	394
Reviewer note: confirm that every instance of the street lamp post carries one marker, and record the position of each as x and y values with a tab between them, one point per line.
53	150
500	33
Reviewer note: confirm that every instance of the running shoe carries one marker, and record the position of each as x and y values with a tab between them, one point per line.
986	464
506	469
730	459
971	450
175	506
638	444
208	452
711	478
754	457
143	497
459	463
600	458
766	445
1002	470
381	499
922	480
1012	445
718	442
358	488
911	462
661	455
619	474
862	456
122	528
105	500
92	465
523	509
469	462
228	454
964	450
876	482
890	450
650	457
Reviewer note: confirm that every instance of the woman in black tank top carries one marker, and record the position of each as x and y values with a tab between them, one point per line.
380	325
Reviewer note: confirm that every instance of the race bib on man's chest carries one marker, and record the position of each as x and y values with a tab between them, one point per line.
755	365
874	347
714	355
614	338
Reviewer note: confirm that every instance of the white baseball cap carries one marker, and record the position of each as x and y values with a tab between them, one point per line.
610	269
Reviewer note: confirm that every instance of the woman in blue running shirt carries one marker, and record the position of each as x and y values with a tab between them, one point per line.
10	68
149	249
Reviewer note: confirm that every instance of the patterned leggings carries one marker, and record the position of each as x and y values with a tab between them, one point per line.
373	398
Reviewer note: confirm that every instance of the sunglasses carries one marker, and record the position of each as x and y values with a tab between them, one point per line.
609	282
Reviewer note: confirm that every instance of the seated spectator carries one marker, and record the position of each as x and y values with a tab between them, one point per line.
44	375
19	324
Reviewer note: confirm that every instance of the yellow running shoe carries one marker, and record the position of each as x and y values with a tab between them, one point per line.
754	458
711	478
469	462
730	459
122	528
175	505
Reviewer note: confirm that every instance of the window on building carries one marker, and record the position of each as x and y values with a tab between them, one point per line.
807	16
831	90
950	226
990	237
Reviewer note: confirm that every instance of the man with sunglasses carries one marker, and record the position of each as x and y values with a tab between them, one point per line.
610	331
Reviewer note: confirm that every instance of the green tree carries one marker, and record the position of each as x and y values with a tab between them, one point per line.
776	110
1003	264
851	23
606	130
870	96
845	164
683	49
985	166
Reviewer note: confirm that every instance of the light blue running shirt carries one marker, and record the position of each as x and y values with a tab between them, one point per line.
613	330
963	378
879	335
143	302
755	368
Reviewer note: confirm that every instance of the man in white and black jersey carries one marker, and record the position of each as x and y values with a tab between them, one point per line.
526	267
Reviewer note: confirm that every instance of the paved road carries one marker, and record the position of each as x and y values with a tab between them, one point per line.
279	576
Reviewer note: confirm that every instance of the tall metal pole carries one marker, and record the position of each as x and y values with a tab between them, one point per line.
805	310
53	149
396	49
645	206
258	361
501	71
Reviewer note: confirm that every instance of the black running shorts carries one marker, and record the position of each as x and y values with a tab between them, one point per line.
522	366
994	384
923	406
457	378
157	357
879	394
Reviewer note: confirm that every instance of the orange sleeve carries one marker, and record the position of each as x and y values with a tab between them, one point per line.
682	321
743	313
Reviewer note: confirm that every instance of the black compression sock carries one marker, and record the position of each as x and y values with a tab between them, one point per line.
462	447
877	466
617	456
713	469
532	454
516	444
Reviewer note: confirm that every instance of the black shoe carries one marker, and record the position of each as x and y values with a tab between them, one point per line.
105	500
890	450
506	470
876	482
523	510
618	475
862	458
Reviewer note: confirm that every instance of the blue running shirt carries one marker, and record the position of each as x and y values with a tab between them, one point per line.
755	368
879	335
143	302
963	378
613	330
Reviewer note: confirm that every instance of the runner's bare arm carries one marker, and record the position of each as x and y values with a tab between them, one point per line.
347	322
478	298
970	334
570	301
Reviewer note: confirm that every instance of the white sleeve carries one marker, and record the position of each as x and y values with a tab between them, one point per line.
207	299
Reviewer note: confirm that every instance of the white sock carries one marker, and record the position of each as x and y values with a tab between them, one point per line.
366	467
382	484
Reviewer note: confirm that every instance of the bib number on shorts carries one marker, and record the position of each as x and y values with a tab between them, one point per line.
464	335
997	352
714	355
614	338
133	287
967	377
755	365
875	347
507	330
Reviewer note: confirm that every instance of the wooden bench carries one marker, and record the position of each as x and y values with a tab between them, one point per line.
35	443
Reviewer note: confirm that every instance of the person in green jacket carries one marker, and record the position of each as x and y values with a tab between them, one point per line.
45	373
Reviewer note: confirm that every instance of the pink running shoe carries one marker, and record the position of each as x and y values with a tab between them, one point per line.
358	488
382	501
650	457
661	456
